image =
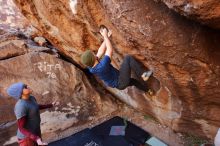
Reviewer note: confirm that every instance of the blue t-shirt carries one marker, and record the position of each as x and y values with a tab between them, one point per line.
30	109
106	72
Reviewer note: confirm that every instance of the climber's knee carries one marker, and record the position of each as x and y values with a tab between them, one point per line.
121	87
127	58
122	84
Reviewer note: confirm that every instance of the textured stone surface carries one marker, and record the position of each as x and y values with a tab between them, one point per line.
10	16
205	11
11	47
184	55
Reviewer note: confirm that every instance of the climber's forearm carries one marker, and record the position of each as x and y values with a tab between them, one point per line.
101	50
109	48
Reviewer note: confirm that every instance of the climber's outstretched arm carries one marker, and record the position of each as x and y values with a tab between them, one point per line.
101	50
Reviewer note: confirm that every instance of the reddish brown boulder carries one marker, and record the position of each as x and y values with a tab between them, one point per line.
184	55
205	11
10	16
12	47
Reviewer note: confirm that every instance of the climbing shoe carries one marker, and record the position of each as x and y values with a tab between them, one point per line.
150	92
145	76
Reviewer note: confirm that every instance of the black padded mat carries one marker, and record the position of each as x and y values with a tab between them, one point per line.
83	138
99	135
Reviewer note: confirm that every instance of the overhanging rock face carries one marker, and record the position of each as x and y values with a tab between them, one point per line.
205	11
183	54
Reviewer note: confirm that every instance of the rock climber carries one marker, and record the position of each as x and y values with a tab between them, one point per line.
112	77
27	115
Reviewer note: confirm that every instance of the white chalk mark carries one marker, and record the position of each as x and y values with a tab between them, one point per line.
46	92
73	4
